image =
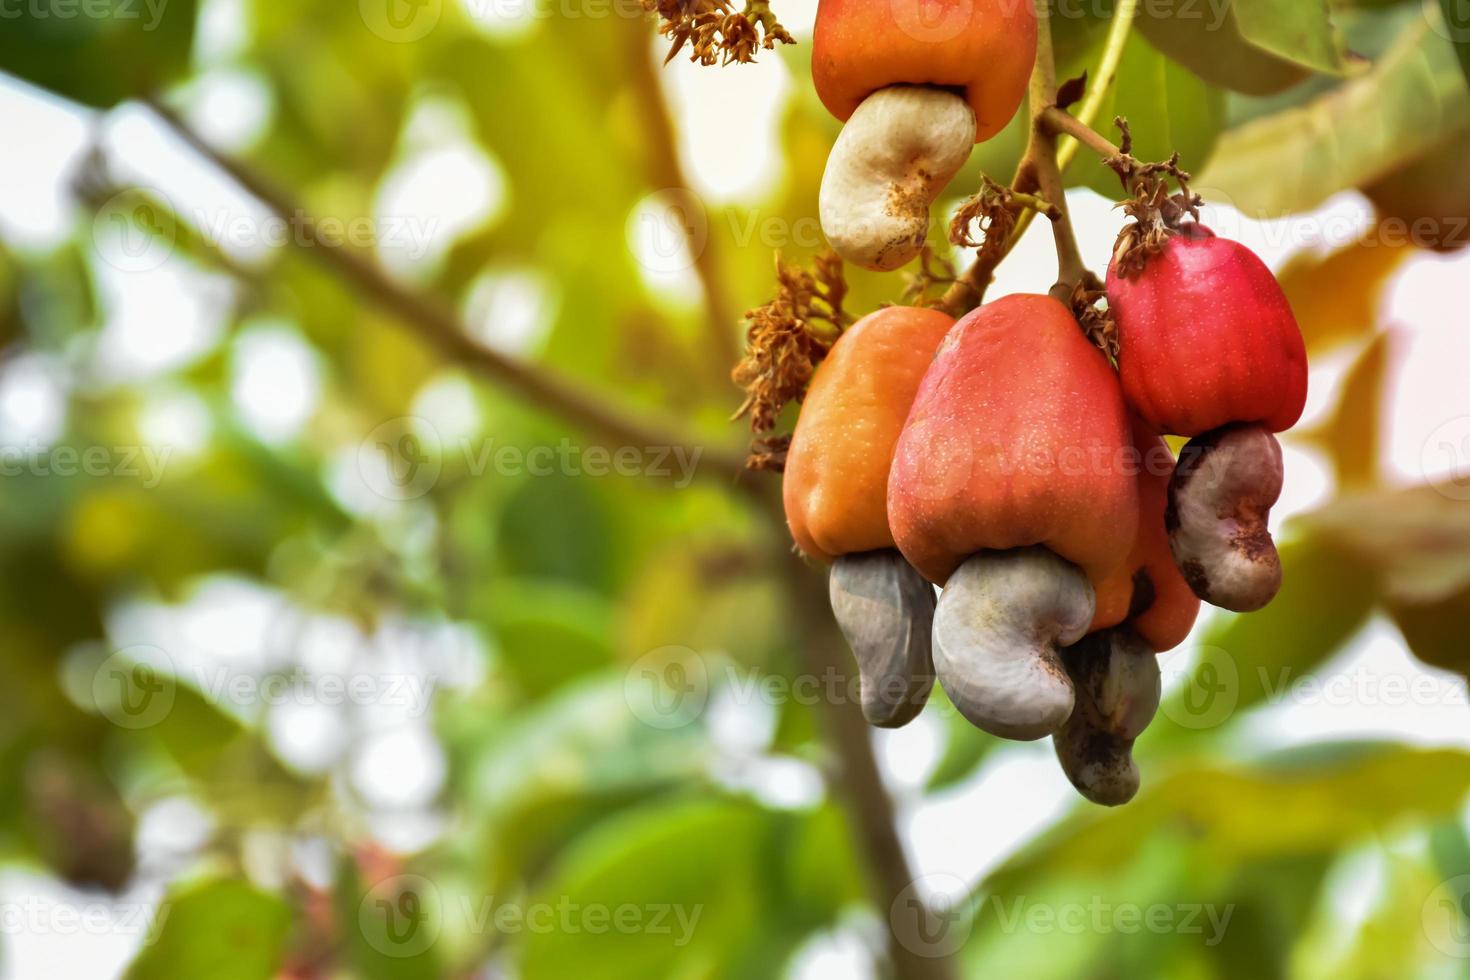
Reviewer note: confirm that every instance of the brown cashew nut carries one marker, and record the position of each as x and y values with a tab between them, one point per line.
997	627
1116	677
886	611
1219	500
898	151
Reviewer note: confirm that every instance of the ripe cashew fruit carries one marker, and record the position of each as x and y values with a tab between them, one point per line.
1016	437
1148	590
896	154
1116	678
886	611
1206	338
997	627
1219	500
981	49
835	493
835	488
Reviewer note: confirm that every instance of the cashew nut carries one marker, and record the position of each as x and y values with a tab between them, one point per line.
997	627
886	611
896	154
1219	499
1116	677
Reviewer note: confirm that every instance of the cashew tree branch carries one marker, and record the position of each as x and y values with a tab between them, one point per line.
436	323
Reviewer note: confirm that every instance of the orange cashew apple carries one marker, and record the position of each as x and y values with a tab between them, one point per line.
1009	488
835	491
918	83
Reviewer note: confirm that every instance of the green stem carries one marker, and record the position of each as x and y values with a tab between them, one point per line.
1107	72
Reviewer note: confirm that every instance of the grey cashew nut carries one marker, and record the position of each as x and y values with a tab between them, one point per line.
1000	619
886	610
1116	676
1220	498
898	151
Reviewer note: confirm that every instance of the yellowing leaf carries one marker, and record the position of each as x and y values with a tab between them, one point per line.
1294	160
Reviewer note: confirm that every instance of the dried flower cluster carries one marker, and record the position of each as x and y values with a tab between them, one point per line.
1156	213
786	339
715	34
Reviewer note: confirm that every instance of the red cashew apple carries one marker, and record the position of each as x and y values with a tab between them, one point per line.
918	83
1208	348
835	491
1148	590
1206	338
1009	488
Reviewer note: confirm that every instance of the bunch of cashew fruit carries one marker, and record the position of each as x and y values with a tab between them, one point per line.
1004	457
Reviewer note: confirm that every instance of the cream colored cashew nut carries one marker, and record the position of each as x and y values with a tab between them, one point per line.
897	152
997	628
1220	498
886	610
1116	677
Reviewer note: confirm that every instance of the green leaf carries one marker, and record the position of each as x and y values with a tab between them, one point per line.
1308	803
1208	39
1295	159
224	930
107	51
685	878
1299	31
548	633
1167	107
